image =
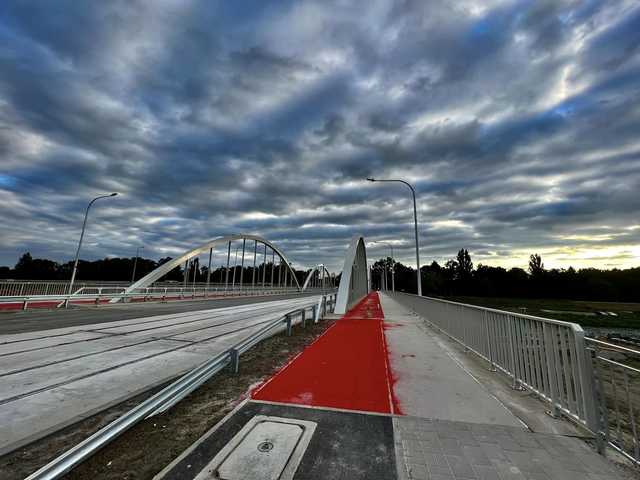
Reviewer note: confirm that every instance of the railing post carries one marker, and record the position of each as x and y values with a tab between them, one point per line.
587	381
549	344
516	383
288	320
234	355
488	334
25	304
314	309
304	317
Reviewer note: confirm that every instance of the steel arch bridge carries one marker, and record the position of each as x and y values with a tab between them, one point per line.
318	277
354	282
286	276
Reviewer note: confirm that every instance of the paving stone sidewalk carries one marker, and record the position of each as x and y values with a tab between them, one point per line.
446	450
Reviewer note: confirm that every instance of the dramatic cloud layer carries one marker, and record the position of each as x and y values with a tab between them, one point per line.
518	122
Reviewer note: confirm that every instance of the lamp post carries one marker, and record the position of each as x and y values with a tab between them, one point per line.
84	225
415	223
135	264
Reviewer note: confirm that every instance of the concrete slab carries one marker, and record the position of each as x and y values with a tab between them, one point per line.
141	322
68	374
27	382
37	415
38	320
428	382
32	345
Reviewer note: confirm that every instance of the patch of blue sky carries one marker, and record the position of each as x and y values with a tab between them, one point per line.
7	181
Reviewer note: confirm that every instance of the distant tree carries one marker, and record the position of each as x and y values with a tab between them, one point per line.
536	267
5	272
24	263
464	265
451	266
29	268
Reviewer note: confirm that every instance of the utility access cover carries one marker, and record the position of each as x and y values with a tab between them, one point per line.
267	448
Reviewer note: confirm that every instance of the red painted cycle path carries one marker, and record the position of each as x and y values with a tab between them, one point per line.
347	367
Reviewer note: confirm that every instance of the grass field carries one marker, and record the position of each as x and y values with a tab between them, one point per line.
582	312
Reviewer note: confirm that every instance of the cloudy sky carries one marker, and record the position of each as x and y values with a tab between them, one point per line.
518	122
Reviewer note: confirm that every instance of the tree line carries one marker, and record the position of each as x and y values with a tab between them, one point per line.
458	277
121	270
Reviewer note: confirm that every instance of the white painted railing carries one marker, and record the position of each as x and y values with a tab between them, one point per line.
545	356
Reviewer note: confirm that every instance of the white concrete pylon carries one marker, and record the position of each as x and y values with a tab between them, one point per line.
354	283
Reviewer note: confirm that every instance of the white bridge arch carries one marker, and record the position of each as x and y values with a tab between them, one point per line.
165	268
354	282
319	275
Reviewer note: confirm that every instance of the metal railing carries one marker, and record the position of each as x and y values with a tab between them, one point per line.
18	288
617	389
180	388
545	356
592	382
23	288
101	294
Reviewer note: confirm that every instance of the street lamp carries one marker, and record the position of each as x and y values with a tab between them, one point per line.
84	225
415	223
135	263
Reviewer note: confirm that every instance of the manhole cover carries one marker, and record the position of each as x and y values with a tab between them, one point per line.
265	447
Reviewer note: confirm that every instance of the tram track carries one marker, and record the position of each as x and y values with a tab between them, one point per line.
103	331
111	362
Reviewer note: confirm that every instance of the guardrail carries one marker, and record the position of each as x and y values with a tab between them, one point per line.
102	294
545	356
617	390
180	388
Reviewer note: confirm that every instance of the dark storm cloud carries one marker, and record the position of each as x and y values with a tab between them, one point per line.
517	121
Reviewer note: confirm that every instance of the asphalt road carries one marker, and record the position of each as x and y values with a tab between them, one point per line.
51	378
36	320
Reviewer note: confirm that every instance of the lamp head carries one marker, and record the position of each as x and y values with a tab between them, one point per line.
113	194
371	179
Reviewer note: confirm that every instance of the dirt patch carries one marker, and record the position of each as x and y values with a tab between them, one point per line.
148	447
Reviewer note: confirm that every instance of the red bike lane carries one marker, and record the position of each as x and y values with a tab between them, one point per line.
347	367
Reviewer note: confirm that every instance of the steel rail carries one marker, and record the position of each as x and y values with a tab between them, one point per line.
169	396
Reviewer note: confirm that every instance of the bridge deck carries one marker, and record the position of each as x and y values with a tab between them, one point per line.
415	413
52	378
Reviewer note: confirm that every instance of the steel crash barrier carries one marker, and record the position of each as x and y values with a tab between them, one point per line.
180	388
553	359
